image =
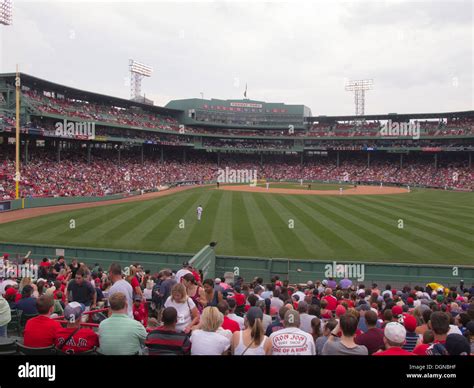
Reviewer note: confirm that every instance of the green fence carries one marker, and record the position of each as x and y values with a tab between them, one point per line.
249	267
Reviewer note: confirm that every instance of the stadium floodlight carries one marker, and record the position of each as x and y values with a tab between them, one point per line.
138	70
6	12
359	87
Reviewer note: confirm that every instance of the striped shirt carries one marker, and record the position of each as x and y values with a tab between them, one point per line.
165	342
121	335
410	341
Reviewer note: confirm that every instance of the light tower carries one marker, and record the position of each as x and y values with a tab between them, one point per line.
137	72
6	12
359	87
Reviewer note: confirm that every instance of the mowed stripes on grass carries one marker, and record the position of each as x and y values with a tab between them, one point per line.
438	226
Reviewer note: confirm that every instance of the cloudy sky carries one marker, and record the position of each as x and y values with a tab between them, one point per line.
419	54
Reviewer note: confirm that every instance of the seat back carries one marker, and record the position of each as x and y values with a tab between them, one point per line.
15	324
7	346
28	351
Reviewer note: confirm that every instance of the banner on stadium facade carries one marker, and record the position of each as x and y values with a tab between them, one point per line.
245	105
431	149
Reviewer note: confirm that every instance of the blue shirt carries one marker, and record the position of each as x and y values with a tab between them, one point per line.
27	305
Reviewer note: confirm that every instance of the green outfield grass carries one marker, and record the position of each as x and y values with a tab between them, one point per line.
438	226
314	186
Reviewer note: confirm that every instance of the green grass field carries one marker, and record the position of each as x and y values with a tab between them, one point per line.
438	226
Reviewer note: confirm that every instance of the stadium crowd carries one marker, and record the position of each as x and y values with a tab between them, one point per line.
44	176
74	308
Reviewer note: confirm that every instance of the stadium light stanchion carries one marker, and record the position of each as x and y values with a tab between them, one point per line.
17	159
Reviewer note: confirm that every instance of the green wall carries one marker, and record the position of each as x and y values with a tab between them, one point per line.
250	267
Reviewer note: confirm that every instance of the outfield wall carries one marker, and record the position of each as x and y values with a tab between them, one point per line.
250	267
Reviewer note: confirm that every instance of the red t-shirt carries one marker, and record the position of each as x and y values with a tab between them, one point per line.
239	299
395	351
141	314
63	298
420	350
83	340
332	302
349	302
230	324
135	283
40	332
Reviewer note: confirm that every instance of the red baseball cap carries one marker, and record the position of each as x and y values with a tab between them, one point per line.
397	310
340	310
409	321
10	291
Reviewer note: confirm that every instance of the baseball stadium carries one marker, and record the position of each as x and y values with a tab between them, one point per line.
278	225
276	184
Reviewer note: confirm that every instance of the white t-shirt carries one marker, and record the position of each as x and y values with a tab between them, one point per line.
125	288
301	295
237	319
292	342
184	312
276	303
207	343
181	273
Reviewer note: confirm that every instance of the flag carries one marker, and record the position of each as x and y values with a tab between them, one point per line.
245	93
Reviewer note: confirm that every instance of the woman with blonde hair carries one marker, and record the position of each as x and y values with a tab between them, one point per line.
206	340
252	341
188	315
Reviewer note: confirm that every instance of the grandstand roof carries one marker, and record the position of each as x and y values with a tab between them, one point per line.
402	116
71	92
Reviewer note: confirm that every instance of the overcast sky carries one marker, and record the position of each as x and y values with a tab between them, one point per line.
419	54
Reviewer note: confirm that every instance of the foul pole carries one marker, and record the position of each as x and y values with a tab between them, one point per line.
17	163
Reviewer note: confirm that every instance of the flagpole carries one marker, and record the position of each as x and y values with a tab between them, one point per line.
17	161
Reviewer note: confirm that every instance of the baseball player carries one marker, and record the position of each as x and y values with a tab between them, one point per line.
199	212
340	190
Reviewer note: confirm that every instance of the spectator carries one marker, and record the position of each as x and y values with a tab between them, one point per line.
27	304
183	271
252	341
166	340
344	345
394	339
321	341
292	341
140	312
193	289
166	285
81	290
206	340
275	301
277	324
188	314
232	315
41	331
121	285
411	339
316	329
457	345
5	316
372	339
208	295
439	324
119	334
228	323
305	318
74	339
